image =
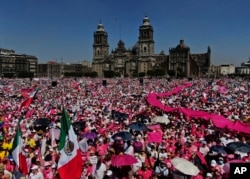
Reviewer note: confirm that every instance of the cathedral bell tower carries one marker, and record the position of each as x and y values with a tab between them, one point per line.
145	53
146	40
100	49
100	46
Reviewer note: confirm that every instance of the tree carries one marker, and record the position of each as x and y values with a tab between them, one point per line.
92	74
117	74
73	74
171	73
135	74
160	72
24	75
142	74
150	73
109	74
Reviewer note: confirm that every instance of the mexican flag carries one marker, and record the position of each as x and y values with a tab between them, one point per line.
70	161
28	101
17	152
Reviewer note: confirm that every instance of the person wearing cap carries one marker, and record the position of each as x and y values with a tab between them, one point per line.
36	173
109	175
47	170
215	169
102	147
209	176
204	149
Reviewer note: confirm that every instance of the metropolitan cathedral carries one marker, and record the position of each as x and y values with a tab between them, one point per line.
141	58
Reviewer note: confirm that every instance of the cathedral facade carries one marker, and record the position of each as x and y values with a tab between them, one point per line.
141	58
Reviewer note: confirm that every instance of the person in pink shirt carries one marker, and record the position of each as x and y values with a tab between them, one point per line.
145	172
247	158
47	171
87	170
101	148
172	147
199	176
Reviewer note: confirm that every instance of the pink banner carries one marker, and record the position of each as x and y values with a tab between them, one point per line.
217	120
154	136
155	127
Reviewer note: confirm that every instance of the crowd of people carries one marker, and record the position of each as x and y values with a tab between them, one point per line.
102	117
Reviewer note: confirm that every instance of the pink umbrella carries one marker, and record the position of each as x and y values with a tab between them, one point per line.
226	166
123	160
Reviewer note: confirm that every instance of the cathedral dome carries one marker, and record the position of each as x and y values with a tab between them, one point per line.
182	45
120	43
146	21
100	27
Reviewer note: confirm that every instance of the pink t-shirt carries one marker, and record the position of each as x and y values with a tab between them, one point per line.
102	149
145	174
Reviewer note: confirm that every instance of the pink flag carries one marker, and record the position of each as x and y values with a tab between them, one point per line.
154	137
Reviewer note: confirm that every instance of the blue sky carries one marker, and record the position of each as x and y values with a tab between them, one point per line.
63	29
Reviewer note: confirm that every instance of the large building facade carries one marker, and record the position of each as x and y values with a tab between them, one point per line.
13	64
141	58
18	65
185	64
244	69
53	69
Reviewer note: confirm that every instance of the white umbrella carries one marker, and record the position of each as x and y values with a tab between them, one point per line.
161	119
184	166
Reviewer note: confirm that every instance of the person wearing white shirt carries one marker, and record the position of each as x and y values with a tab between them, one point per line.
204	149
129	149
161	170
153	152
35	173
163	154
100	170
138	165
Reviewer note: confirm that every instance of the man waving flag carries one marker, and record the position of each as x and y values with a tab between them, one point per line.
28	101
17	152
70	162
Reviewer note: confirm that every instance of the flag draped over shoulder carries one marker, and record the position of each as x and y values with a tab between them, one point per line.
28	101
70	162
17	152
